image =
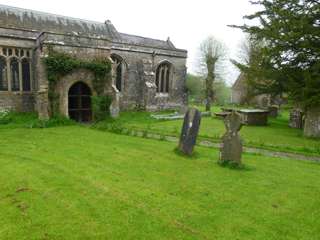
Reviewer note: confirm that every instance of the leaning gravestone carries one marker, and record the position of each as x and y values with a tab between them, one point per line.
189	131
231	146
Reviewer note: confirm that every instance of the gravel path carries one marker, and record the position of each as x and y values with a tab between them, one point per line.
246	149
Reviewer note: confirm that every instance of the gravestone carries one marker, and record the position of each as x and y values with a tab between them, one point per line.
231	146
311	126
189	131
273	111
183	109
296	118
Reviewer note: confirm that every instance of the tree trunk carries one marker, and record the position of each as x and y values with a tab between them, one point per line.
209	95
209	83
208	104
312	123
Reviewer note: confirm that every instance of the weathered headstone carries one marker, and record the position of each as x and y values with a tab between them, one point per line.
189	131
273	111
312	123
183	109
296	118
231	146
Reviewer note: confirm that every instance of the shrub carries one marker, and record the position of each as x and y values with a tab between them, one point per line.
100	107
5	116
52	122
162	137
115	128
145	133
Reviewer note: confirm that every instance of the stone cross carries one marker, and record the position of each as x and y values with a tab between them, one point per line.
189	131
231	146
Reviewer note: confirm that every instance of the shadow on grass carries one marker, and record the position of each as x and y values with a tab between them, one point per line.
194	155
235	166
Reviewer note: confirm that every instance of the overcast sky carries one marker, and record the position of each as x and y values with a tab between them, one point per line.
186	22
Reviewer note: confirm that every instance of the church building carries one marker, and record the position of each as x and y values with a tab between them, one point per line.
147	73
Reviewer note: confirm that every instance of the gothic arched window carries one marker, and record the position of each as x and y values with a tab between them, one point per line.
14	70
26	83
3	75
119	71
163	77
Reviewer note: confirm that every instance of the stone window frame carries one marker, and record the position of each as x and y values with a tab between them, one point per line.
4	73
15	68
119	61
163	77
21	54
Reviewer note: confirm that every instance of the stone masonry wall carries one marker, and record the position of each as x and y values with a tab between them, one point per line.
141	62
18	100
21	102
134	92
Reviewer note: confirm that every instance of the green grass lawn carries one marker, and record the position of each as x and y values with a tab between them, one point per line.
78	183
276	136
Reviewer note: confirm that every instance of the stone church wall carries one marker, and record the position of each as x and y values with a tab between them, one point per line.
17	100
141	57
140	74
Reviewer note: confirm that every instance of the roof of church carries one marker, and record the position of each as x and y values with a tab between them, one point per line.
240	82
133	39
40	21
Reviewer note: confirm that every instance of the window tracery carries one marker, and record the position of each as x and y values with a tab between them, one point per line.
15	69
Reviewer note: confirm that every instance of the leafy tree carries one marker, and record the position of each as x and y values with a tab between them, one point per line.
249	64
212	54
196	88
261	77
222	93
195	85
290	30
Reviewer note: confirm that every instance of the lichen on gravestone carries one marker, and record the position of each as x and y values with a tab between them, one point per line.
231	146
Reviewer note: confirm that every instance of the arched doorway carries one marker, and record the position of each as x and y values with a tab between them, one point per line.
79	103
